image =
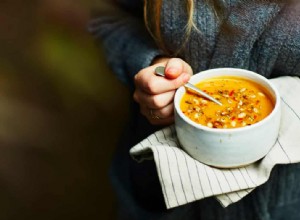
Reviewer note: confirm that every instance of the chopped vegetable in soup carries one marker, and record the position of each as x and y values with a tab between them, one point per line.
243	103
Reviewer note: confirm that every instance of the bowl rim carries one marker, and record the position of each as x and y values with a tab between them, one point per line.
276	108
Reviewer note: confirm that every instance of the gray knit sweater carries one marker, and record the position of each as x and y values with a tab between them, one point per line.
259	35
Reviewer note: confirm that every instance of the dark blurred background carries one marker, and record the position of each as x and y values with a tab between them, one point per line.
59	115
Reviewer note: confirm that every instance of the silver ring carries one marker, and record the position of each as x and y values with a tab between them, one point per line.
152	115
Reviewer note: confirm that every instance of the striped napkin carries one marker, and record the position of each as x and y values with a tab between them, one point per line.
184	179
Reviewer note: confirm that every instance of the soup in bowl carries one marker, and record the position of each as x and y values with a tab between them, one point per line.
239	132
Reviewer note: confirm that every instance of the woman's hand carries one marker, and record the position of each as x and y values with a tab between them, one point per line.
155	94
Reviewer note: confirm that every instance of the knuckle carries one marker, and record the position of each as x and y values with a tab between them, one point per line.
140	75
135	96
179	62
177	83
136	77
175	60
189	69
168	112
148	85
144	112
156	102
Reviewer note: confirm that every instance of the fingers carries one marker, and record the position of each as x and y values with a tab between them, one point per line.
155	94
161	116
154	101
158	109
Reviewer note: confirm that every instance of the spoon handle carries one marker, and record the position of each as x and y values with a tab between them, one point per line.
202	93
160	71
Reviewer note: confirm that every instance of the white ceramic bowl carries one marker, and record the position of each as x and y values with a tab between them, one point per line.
228	147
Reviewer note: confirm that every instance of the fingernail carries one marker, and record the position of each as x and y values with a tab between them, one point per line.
172	71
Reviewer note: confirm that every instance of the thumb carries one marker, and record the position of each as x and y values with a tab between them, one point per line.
172	72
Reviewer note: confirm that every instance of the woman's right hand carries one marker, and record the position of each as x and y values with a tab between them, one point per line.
155	94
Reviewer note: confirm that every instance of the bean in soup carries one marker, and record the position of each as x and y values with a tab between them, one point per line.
244	103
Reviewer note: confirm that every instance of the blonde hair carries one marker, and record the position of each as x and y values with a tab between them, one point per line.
152	17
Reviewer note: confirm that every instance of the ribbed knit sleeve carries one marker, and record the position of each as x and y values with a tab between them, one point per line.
127	44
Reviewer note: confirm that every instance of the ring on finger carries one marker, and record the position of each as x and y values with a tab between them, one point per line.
152	115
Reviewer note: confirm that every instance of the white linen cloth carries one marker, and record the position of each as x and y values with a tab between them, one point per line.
184	179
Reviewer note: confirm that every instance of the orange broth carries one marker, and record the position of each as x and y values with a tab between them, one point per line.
244	103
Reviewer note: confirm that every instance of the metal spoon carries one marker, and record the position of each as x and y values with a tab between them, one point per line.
160	71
